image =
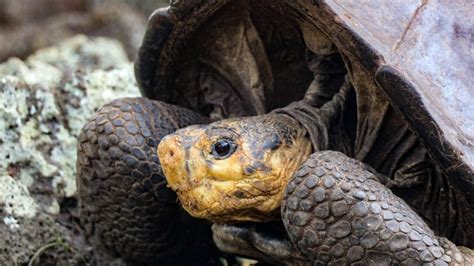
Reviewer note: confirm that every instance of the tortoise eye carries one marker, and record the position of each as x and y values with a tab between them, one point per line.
223	148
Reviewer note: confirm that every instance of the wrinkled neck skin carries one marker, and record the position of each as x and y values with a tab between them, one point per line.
325	125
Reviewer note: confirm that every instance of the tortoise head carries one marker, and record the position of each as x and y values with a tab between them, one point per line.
235	169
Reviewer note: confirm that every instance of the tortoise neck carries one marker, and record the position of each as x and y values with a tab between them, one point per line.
312	120
324	125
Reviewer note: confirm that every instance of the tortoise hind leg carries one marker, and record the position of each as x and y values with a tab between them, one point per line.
335	210
125	206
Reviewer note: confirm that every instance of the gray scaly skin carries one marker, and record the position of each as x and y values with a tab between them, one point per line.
125	206
336	211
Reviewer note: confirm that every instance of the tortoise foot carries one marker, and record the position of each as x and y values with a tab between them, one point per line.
266	242
336	211
125	206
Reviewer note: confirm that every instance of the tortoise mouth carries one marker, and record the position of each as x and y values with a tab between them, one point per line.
241	58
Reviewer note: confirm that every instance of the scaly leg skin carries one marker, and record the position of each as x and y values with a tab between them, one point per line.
266	242
126	208
337	212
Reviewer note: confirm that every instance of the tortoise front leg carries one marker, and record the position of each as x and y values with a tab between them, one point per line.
266	242
336	211
125	205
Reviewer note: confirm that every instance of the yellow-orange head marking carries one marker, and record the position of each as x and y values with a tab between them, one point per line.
234	169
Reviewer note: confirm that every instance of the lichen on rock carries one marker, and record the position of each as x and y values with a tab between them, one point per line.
16	199
44	101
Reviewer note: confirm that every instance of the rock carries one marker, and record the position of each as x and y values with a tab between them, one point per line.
33	26
26	11
16	201
44	101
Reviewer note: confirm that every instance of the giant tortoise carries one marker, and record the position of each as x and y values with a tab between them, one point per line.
331	132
